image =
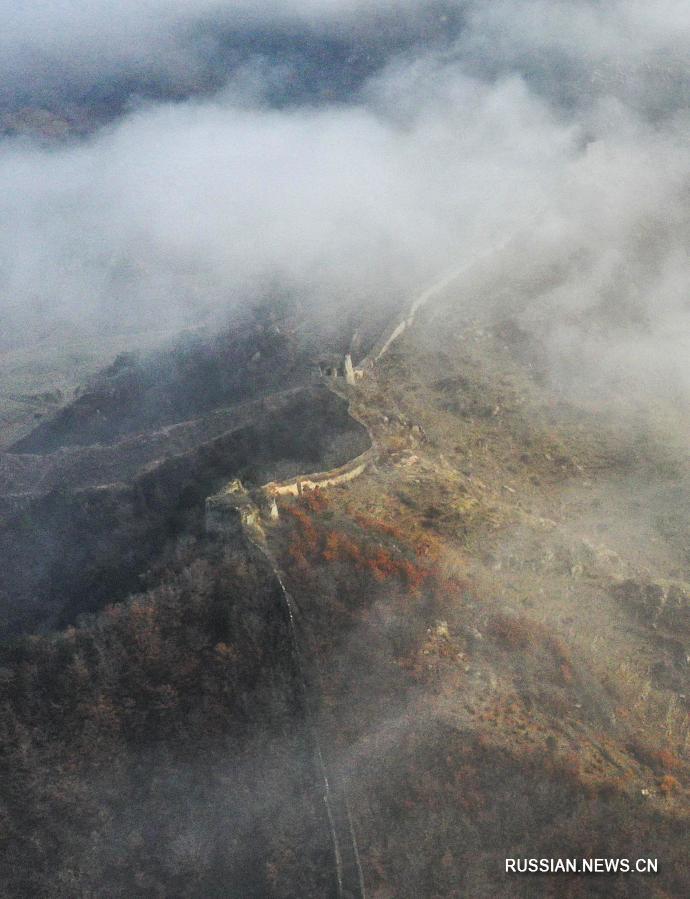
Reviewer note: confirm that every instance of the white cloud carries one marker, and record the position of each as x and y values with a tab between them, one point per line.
442	154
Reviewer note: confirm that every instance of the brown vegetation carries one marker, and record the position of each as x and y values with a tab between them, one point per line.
356	543
131	743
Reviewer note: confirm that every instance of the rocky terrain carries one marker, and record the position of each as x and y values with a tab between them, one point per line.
344	468
355	686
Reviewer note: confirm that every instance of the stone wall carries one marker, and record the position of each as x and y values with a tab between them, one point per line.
341	475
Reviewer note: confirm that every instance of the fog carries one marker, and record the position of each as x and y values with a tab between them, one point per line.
166	163
558	129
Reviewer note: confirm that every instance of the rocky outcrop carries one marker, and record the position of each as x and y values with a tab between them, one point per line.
661	604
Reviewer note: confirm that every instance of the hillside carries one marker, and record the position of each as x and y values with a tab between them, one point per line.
493	615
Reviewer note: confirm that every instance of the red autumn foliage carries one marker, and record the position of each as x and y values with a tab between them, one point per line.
308	532
312	543
340	547
669	785
375	524
666	760
314	500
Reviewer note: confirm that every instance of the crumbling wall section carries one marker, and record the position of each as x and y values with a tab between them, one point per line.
341	475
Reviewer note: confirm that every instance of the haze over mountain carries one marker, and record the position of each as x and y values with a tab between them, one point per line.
348	151
344	421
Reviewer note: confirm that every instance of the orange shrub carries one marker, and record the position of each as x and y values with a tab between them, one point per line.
314	500
669	785
666	760
375	524
310	541
308	533
340	548
382	565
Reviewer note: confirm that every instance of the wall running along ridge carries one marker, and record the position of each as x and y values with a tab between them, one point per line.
234	515
341	475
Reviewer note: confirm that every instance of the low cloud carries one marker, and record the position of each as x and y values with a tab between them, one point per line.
565	132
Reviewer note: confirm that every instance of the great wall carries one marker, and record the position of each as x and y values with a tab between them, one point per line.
253	507
238	515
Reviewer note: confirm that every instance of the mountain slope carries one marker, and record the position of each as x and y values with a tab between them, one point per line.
493	617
